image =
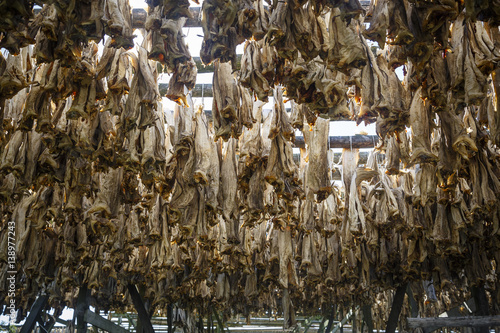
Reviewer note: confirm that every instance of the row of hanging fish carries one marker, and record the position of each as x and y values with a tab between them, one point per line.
97	177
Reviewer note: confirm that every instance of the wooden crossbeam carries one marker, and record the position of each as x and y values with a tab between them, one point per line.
82	305
355	141
46	326
438	322
367	317
140	308
35	311
340	326
397	305
102	323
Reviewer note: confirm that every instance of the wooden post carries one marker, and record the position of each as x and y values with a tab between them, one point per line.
131	322
35	311
82	305
353	321
341	324
169	318
413	303
288	311
397	304
429	324
321	328
143	316
139	321
482	307
200	324
46	325
367	317
330	321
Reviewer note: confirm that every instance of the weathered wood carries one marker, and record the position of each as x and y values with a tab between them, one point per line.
102	323
321	328
169	318
465	309
46	326
288	310
438	322
340	326
479	295
412	302
367	317
397	305
355	141
35	311
82	305
330	321
141	289
147	327
131	321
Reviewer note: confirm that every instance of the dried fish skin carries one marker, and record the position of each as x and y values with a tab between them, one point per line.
225	102
345	49
118	17
317	174
420	122
251	72
220	36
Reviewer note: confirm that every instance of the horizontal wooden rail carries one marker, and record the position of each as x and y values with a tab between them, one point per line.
355	141
435	323
102	323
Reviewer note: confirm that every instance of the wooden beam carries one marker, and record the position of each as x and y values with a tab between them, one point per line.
340	325
102	323
35	311
147	327
82	305
367	317
131	321
397	305
479	295
199	90
465	309
46	326
169	318
330	320
355	141
438	322
61	321
412	302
